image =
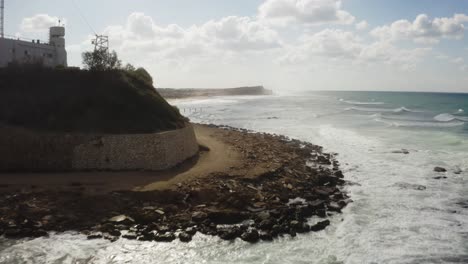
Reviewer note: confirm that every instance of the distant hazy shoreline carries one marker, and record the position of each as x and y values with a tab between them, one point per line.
171	93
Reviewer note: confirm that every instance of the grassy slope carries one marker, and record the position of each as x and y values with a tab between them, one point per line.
81	101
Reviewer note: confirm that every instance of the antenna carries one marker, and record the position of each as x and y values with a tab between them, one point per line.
2	22
101	43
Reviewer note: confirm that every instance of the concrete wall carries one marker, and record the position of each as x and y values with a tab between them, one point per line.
22	150
12	50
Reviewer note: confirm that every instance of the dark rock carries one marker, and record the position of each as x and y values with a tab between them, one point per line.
199	216
339	174
39	233
115	233
440	177
251	236
191	231
334	207
185	237
440	169
12	233
122	220
265	224
167	237
265	236
96	235
226	217
230	233
320	226
321	213
130	236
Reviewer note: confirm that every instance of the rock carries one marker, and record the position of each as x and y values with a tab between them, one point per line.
39	233
230	233
339	174
321	213
199	216
402	151
130	236
440	177
115	233
440	169
166	237
334	207
226	217
185	237
95	235
191	231
122	219
265	225
12	233
265	236
320	226
251	236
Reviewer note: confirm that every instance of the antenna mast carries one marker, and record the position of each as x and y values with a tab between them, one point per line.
2	22
101	43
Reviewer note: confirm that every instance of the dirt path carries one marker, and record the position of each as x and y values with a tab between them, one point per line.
220	158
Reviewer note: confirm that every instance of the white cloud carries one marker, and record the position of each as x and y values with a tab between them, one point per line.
424	29
312	12
142	38
347	48
363	25
39	23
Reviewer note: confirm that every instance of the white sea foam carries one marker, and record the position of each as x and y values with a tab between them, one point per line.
445	117
362	103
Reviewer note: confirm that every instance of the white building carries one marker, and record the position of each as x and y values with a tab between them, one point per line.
50	54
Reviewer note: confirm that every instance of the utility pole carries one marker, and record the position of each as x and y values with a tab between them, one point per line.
101	43
2	18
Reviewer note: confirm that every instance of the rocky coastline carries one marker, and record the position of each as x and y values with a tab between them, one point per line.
280	185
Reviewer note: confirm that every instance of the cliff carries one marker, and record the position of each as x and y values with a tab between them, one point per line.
77	101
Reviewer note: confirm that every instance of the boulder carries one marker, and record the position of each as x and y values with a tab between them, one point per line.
185	237
320	226
166	237
199	216
440	169
251	236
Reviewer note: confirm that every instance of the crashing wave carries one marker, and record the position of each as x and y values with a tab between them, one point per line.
427	124
361	103
445	117
385	110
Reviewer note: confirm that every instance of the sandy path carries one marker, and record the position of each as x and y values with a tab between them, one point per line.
220	158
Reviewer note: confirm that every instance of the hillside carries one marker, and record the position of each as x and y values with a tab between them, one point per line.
72	100
170	93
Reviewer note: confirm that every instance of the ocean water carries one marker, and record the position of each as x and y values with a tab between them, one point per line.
401	212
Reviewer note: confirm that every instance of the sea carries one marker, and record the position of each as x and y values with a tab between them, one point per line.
388	144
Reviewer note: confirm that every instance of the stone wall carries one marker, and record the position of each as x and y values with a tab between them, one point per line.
22	150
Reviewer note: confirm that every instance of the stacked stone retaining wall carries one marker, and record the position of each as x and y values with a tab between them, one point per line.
23	150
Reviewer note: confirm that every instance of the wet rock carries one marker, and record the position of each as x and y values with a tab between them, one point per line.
339	174
191	231
39	233
265	224
185	237
251	236
334	207
199	216
320	226
95	235
12	233
440	169
166	237
266	236
130	236
226	217
122	219
440	177
402	151
230	233
115	233
321	213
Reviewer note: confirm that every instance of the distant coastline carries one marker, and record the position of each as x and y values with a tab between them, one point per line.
172	93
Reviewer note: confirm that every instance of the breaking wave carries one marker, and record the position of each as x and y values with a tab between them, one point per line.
414	123
361	103
382	110
445	117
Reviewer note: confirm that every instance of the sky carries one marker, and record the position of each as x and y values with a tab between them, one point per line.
285	45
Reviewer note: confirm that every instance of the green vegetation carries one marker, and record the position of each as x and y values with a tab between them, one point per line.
101	60
72	100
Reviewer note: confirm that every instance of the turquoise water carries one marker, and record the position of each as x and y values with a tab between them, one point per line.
402	211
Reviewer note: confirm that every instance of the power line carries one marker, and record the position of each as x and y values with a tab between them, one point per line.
83	17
